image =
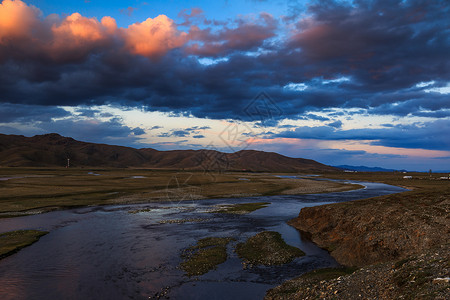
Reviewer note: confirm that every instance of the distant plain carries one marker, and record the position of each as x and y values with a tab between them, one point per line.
36	190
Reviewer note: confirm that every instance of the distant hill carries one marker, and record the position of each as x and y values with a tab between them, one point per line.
442	171
53	150
366	169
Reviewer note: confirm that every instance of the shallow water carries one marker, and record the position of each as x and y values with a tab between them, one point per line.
108	253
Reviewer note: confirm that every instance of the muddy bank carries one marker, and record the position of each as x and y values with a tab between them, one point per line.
393	227
400	243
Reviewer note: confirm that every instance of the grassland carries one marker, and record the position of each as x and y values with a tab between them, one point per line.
267	248
36	190
205	256
13	241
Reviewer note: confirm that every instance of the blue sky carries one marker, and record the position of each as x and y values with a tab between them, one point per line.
141	10
342	82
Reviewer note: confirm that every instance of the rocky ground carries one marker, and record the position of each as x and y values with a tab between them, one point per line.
400	243
423	277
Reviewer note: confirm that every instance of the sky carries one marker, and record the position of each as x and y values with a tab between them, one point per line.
341	82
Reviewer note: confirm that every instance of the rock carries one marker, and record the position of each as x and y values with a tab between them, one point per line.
441	280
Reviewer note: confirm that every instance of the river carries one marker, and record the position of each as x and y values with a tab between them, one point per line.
108	253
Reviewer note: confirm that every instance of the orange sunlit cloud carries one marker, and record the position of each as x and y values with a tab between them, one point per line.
75	36
16	19
153	36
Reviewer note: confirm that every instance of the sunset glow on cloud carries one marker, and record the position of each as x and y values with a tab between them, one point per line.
337	81
153	36
76	36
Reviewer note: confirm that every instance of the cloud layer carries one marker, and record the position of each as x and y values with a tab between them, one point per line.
383	50
370	57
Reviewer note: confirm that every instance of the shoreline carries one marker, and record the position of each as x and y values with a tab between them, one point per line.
395	239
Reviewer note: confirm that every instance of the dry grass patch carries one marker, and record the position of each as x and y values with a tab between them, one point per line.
13	241
267	248
205	256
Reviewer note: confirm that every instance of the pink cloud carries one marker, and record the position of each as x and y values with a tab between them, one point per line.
128	11
153	37
24	34
77	36
196	14
247	35
320	41
16	20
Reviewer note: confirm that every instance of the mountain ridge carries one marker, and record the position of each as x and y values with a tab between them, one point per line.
53	150
367	169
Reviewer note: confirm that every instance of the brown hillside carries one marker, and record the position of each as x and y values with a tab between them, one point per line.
53	150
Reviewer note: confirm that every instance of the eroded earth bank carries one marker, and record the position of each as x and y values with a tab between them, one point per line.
398	246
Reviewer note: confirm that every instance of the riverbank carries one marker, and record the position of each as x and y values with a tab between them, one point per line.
28	191
378	233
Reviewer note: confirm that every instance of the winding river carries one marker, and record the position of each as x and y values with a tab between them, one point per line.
108	253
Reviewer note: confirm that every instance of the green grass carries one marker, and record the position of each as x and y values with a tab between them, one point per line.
242	208
267	248
205	256
13	241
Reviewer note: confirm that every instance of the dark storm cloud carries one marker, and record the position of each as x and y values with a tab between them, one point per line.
180	133
316	117
336	124
431	135
87	112
245	36
434	114
191	131
138	131
91	130
196	128
112	131
383	48
29	113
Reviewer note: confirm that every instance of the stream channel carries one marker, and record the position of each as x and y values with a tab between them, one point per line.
105	252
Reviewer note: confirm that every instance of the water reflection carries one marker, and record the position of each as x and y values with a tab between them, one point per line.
106	252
